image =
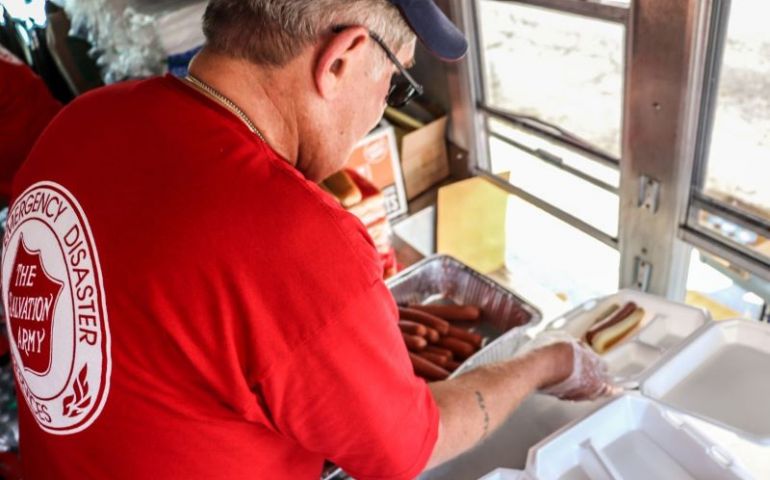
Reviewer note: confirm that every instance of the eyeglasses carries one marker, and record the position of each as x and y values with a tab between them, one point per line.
403	87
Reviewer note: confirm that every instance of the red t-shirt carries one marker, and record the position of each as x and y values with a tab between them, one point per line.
184	304
26	107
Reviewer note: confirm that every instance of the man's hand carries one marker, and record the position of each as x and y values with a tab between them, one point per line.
476	403
586	377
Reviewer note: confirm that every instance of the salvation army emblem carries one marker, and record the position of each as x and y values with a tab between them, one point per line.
55	309
32	296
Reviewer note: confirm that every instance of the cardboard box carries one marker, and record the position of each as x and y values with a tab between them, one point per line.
376	159
421	135
424	156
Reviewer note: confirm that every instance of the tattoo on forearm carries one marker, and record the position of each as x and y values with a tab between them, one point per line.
483	407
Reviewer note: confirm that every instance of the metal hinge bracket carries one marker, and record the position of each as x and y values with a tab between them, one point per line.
649	194
643	273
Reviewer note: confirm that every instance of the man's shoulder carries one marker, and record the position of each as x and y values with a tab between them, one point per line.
309	220
113	106
148	119
129	92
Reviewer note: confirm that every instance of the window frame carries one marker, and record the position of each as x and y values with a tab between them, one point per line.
609	12
665	238
482	110
692	231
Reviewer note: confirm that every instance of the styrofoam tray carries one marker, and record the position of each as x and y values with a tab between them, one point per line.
721	375
505	474
631	438
664	326
536	419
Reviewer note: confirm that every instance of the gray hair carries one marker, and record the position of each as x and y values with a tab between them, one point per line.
274	32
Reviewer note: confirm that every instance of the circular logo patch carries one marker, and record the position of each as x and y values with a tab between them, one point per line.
55	309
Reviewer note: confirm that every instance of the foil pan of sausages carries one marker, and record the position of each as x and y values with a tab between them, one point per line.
477	310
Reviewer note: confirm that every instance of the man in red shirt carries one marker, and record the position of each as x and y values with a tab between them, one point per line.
26	107
185	302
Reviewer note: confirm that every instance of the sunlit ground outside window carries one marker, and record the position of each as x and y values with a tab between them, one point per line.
739	160
562	68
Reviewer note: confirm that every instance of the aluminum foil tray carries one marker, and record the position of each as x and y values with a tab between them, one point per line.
441	279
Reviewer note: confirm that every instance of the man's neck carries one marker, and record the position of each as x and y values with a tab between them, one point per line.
266	100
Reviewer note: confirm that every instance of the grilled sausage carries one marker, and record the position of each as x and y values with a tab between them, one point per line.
453	313
439	360
473	338
424	318
427	369
440	351
412	328
460	349
414	343
451	365
432	336
618	317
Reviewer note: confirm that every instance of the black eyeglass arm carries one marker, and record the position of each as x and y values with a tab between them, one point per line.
402	70
391	56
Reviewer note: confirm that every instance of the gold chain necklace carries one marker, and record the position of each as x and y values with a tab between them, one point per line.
225	102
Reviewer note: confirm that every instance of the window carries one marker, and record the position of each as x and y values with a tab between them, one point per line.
552	96
562	259
730	205
738	167
560	68
558	180
548	90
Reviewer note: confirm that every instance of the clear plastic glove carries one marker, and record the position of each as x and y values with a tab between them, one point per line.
589	379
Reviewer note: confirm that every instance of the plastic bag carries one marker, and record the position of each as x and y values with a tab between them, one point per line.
133	38
589	379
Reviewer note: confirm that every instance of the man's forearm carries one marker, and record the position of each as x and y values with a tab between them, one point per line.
473	405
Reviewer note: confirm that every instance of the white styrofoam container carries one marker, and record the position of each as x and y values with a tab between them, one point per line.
505	474
631	438
537	418
721	375
664	326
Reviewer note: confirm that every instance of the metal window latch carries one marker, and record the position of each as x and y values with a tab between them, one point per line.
643	273
649	193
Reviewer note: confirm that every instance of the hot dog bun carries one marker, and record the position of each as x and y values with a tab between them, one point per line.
612	334
343	188
610	317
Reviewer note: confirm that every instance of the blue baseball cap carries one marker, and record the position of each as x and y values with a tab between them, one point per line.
439	35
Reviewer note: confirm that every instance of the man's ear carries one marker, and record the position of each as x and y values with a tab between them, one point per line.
337	58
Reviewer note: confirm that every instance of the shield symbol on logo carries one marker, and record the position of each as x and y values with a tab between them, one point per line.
32	296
